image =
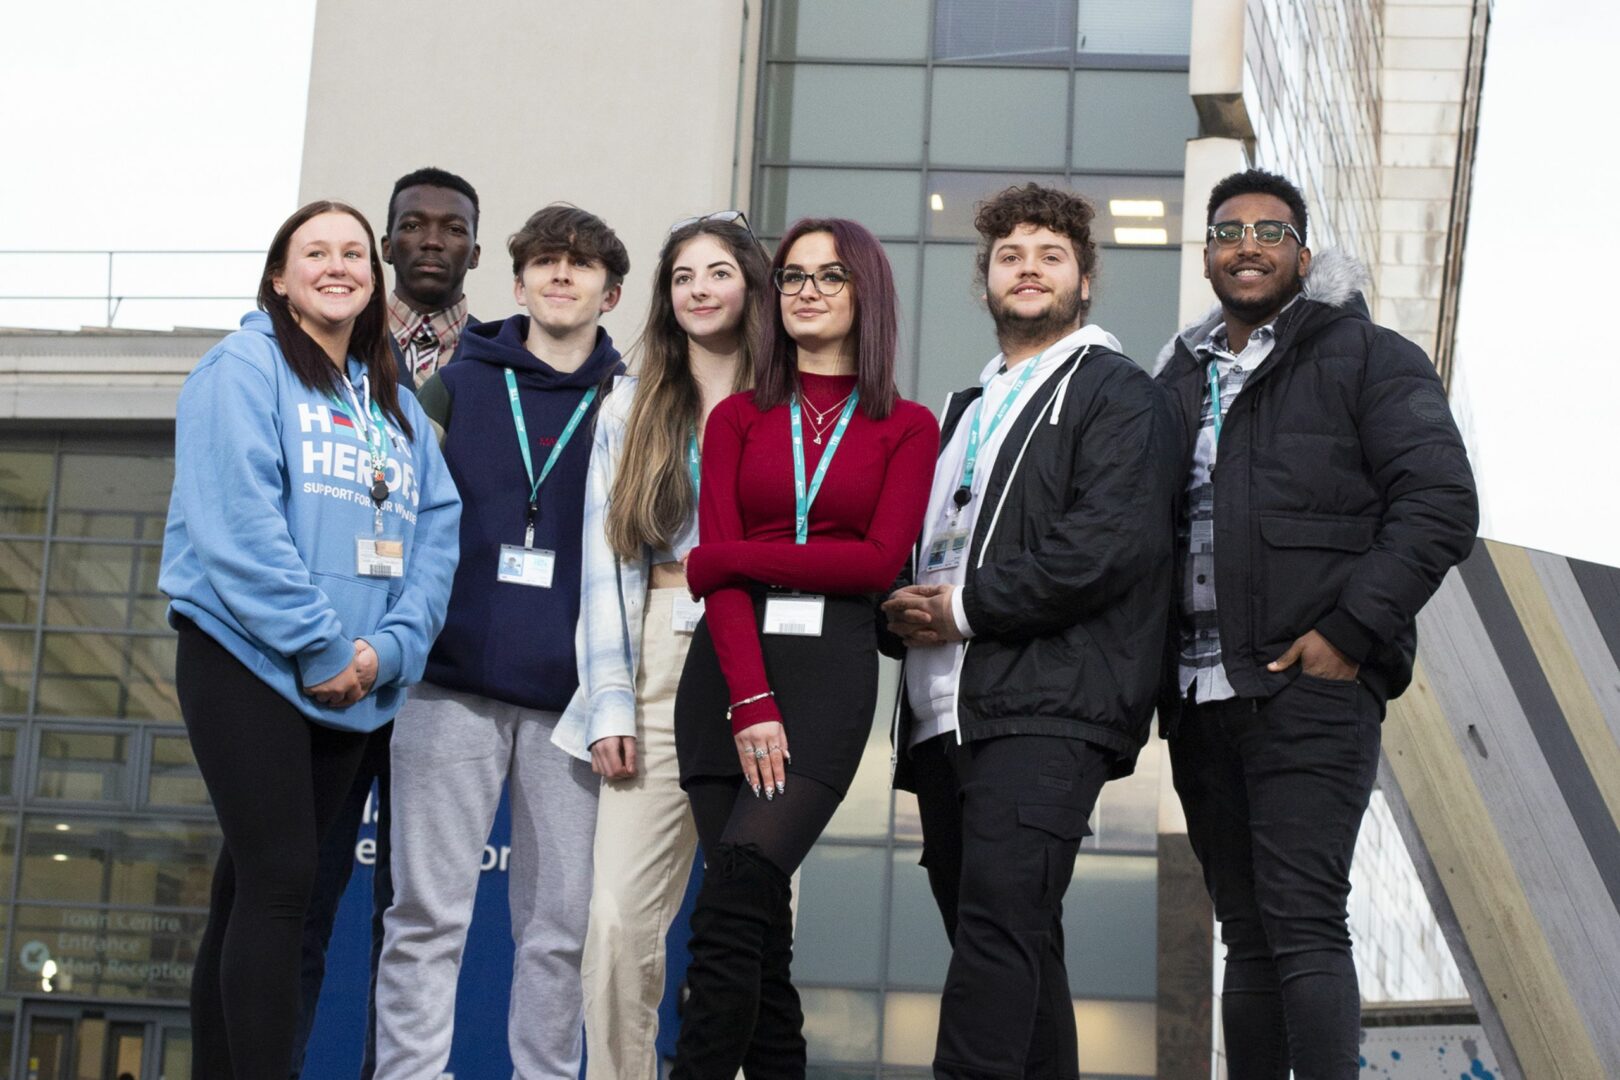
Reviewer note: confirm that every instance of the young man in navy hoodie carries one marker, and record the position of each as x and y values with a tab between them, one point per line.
516	409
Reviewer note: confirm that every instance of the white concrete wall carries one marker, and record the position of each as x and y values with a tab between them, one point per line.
630	110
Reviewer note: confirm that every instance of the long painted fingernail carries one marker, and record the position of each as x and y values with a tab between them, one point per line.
756	791
770	793
781	787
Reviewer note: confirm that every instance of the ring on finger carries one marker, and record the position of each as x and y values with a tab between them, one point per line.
771	749
759	754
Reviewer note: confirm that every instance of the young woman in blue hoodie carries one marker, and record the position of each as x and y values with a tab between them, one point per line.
308	556
636	619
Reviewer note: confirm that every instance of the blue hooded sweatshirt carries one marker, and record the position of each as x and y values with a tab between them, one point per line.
514	643
270	493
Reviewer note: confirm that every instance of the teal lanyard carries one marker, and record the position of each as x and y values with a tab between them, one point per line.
964	491
556	450
371	428
802	498
1215	397
694	463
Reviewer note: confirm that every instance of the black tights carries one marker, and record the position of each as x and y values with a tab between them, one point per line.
277	781
783	830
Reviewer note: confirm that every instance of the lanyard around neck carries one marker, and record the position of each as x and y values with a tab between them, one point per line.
802	497
694	462
556	449
371	427
964	490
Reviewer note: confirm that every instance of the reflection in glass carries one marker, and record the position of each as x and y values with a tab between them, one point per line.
1140	27
919	952
1110	926
910	1023
114	496
994	31
106	675
849	29
161	863
1133	120
1119	1038
96	584
16	669
101	953
25	488
840	1025
998	117
841	910
173	778
20	561
82	766
808	109
953	198
885	201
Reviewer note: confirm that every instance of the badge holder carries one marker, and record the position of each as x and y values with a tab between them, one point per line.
525	565
374	556
794	614
686	615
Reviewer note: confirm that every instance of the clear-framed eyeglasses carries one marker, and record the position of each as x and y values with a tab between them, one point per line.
1266	233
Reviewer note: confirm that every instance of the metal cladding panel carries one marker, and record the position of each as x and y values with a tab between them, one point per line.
1506	752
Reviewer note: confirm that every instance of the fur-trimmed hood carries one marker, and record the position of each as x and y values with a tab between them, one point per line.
1336	279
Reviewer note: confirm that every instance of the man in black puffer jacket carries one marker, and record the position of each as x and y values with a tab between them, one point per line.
1327	494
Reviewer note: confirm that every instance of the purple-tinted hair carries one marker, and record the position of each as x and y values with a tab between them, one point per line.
876	326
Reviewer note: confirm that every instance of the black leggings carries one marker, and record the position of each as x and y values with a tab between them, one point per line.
783	829
277	781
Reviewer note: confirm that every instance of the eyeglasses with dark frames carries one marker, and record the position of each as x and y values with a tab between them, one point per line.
830	280
1266	233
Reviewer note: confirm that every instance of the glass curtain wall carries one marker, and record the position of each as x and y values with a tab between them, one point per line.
902	115
107	842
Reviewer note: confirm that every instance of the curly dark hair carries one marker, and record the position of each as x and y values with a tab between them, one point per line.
1260	182
1064	212
563	227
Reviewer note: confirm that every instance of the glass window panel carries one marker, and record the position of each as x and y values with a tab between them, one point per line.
20	561
94	584
919	952
808	114
1134	211
957	337
910	1024
16	669
1145	27
8	766
1135	298
108	675
1001	117
109	954
864	813
907	818
1127	814
850	29
173	778
25	490
158	863
1027	32
114	496
176	1063
1119	1038
82	766
885	201
1110	926
953	198
840	1025
1132	120
8	855
841	910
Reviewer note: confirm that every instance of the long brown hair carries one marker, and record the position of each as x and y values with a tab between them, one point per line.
652	497
876	328
368	342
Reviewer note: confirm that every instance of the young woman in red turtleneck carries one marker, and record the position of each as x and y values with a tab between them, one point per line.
780	683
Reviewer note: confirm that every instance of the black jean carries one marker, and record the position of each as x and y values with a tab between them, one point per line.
1274	793
1002	823
276	781
332	880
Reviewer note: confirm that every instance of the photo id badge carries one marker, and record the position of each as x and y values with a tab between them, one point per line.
945	551
685	615
525	566
374	557
794	613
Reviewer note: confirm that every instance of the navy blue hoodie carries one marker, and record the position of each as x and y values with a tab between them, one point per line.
514	643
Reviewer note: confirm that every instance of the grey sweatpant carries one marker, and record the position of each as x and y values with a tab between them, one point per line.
451	753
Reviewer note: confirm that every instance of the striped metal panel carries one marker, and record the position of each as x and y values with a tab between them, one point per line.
1506	753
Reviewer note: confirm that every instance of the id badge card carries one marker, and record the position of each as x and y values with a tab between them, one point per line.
375	557
797	614
684	617
525	566
946	550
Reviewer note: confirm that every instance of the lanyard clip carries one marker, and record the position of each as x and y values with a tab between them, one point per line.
528	528
963	496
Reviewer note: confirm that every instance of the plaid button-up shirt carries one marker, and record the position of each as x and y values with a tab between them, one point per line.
426	340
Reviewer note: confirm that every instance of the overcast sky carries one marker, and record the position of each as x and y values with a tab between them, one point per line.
178	124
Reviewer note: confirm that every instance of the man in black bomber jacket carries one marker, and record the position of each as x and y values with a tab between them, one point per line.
1326	492
1034	632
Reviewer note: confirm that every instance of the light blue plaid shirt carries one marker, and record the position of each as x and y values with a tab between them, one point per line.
613	598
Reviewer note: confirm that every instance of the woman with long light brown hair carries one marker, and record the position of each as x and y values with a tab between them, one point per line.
636	619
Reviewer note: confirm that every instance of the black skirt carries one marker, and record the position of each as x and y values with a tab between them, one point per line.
826	688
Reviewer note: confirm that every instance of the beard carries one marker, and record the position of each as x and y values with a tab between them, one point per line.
1055	322
1257	309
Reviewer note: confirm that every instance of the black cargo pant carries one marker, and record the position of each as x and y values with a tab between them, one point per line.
1274	791
1002	823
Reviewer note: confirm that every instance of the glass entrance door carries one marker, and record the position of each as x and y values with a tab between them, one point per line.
61	1041
48	1049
